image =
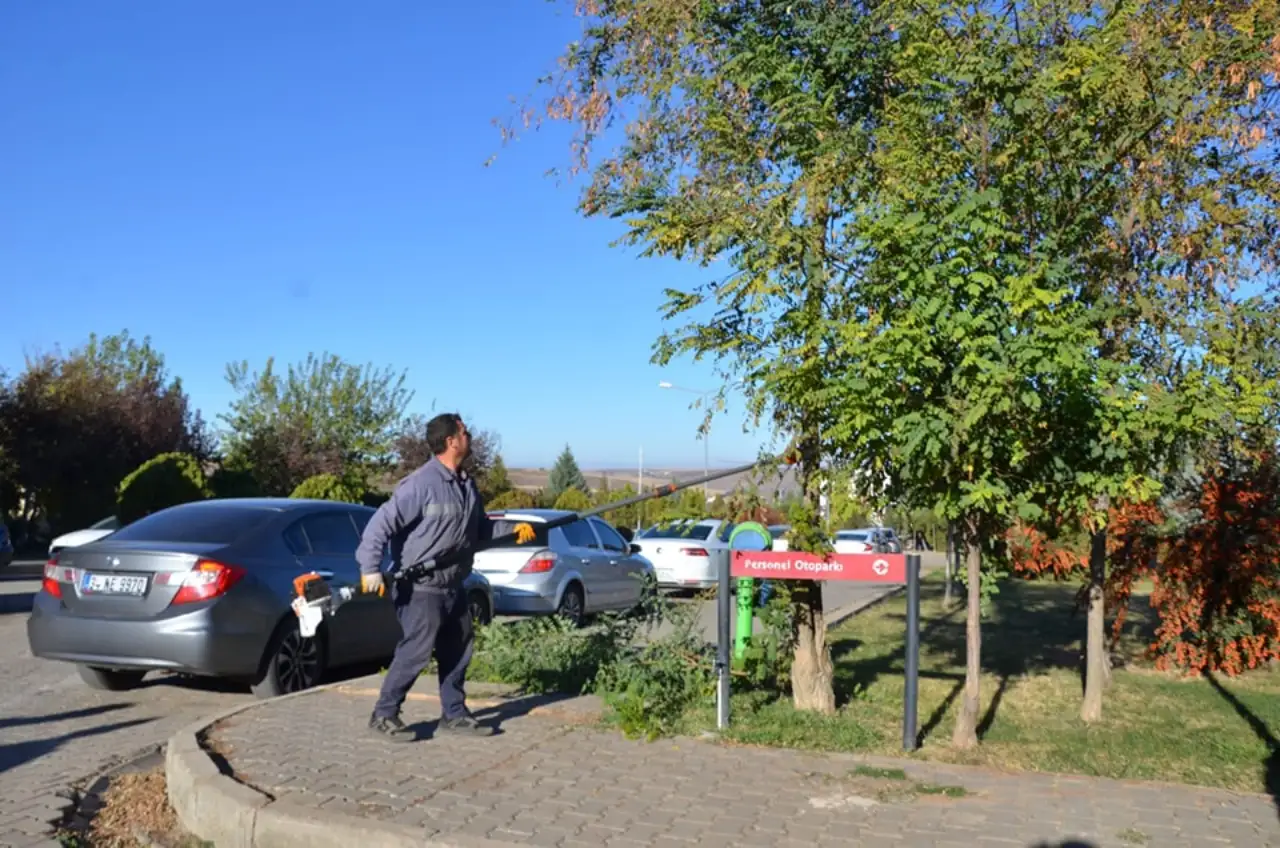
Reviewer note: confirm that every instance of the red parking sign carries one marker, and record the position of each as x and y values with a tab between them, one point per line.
798	565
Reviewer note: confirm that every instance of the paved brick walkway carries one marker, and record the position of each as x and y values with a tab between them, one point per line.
548	780
55	731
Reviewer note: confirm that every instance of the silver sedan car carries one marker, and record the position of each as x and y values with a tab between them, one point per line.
581	568
205	588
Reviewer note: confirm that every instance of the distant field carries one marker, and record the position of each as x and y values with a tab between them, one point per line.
536	478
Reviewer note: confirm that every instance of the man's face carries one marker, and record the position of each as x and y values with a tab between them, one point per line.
461	442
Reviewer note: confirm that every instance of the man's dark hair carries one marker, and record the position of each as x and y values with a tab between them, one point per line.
440	429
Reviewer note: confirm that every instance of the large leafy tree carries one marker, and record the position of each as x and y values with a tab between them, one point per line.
72	426
918	208
323	415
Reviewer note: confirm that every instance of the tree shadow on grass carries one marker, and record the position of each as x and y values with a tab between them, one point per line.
1031	627
1271	764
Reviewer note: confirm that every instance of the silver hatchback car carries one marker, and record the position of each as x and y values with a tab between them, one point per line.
205	588
573	571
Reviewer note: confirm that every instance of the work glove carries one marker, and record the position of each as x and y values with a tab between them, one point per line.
373	583
524	533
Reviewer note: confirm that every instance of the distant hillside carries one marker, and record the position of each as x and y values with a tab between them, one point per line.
537	478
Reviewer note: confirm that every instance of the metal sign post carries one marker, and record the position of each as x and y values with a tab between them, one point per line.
911	664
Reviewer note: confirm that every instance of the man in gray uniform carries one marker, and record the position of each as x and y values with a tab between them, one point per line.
433	511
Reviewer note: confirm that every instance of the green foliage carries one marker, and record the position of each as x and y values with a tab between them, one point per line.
513	499
234	483
497	480
574	500
161	482
628	516
73	425
650	683
323	415
565	474
330	487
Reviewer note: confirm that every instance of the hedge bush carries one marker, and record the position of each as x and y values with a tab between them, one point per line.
162	481
329	487
573	500
234	483
513	499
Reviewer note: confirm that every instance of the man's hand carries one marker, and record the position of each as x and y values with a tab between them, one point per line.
373	583
524	533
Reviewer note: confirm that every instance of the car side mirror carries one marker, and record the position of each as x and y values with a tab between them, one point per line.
633	548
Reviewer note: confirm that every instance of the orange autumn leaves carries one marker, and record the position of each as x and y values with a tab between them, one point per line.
1216	569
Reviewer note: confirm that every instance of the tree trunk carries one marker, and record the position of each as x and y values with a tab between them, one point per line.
965	734
1097	664
812	673
953	552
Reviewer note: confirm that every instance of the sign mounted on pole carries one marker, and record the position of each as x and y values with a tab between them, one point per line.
797	565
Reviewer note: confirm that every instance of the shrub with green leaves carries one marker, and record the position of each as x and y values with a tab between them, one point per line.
329	487
513	499
649	682
161	482
574	500
234	483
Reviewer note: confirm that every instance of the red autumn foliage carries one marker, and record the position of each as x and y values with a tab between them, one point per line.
1216	576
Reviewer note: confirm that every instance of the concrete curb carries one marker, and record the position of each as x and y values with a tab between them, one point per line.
218	808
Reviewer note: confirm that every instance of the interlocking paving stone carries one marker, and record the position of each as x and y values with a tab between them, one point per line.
543	782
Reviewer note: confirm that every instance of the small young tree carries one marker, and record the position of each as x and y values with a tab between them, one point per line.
565	474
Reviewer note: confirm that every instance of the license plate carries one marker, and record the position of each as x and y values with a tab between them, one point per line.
113	584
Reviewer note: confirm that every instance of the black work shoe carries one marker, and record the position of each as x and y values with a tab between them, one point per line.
465	726
391	727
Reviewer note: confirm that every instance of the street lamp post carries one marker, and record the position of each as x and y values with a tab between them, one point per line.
706	434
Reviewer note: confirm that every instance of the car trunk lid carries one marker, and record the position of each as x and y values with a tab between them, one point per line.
128	580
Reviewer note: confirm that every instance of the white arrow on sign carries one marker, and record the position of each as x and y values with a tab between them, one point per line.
880	567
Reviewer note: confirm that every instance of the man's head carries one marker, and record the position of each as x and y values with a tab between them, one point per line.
448	439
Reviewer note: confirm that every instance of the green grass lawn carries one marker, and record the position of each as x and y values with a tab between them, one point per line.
1155	726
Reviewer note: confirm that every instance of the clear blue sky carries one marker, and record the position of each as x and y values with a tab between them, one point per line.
239	180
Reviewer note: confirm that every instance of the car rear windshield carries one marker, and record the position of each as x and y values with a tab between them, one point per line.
678	530
205	524
852	537
504	527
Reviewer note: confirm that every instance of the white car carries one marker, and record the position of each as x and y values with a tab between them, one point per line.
92	533
864	541
687	554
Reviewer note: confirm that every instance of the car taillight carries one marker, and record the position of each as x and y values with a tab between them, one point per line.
540	563
50	583
696	552
205	581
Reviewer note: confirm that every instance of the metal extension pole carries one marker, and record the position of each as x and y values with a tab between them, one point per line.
911	665
722	646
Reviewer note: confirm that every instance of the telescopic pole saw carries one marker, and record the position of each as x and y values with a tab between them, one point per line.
316	599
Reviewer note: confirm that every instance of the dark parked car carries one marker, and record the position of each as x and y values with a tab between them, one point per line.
204	588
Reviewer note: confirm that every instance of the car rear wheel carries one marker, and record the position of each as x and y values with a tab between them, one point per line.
292	663
479	604
572	606
110	679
